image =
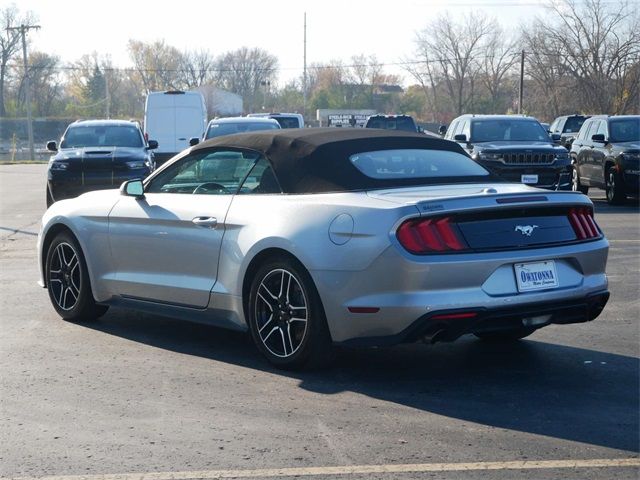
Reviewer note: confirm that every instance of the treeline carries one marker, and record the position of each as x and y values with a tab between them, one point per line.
582	57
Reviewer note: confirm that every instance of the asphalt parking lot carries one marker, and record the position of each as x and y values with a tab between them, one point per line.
133	394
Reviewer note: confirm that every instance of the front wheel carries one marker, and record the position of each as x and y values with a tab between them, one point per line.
576	186
505	336
614	187
286	317
68	281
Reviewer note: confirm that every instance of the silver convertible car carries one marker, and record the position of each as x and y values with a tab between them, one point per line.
313	237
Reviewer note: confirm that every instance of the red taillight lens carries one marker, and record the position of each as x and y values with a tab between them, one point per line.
583	224
431	235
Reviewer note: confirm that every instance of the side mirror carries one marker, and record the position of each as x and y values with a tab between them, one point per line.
598	138
132	188
152	144
420	129
461	137
556	137
52	147
442	130
194	141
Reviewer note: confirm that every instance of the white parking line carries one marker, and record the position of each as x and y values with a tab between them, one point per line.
353	470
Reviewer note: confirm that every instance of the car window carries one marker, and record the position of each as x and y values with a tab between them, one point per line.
593	128
449	134
287	122
584	130
625	130
415	163
216	172
102	136
261	179
554	128
573	124
602	128
491	130
228	128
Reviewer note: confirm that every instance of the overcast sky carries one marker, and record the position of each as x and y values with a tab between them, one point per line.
336	29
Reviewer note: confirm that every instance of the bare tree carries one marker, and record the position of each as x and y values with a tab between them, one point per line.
10	43
248	73
597	44
157	65
496	64
45	80
197	68
456	49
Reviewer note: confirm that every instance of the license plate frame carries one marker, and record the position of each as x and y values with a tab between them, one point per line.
536	276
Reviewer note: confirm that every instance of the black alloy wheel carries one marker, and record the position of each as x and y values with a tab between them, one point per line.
286	317
614	187
68	281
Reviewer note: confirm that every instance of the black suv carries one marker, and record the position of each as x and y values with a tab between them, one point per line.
606	154
515	147
567	127
393	122
95	155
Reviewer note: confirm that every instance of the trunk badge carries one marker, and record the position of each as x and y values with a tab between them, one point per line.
526	230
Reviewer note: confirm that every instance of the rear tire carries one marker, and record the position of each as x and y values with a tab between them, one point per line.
505	336
614	187
286	318
68	281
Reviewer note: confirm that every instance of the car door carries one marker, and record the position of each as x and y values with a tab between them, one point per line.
166	244
586	151
598	155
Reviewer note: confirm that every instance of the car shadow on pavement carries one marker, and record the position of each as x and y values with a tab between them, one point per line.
531	386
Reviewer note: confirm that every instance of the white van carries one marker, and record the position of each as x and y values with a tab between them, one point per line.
172	118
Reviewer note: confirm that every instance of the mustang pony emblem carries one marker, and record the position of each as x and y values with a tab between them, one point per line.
526	229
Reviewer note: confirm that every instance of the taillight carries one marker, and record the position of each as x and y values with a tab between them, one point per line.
583	224
431	235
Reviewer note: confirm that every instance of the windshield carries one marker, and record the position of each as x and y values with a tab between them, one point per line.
399	123
288	122
573	124
102	136
414	163
219	129
625	130
507	130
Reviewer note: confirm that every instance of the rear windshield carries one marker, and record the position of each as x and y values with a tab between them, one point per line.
219	129
102	136
507	130
399	123
573	124
414	164
287	122
625	130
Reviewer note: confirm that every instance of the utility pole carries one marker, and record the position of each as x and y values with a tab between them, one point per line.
304	71
521	90
23	32
107	92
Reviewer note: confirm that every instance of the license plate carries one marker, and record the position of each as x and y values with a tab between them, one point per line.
529	179
536	276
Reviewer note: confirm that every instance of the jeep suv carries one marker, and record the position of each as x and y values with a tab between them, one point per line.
606	154
567	127
514	147
96	155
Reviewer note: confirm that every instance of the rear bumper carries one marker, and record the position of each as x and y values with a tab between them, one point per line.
449	325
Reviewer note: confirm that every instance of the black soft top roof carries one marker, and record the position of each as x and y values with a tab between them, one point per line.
314	160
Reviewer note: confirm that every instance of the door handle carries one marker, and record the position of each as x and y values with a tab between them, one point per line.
207	222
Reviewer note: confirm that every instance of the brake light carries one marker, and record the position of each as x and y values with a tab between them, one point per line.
583	224
431	235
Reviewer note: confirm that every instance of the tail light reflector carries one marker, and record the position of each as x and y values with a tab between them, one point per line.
583	224
431	235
